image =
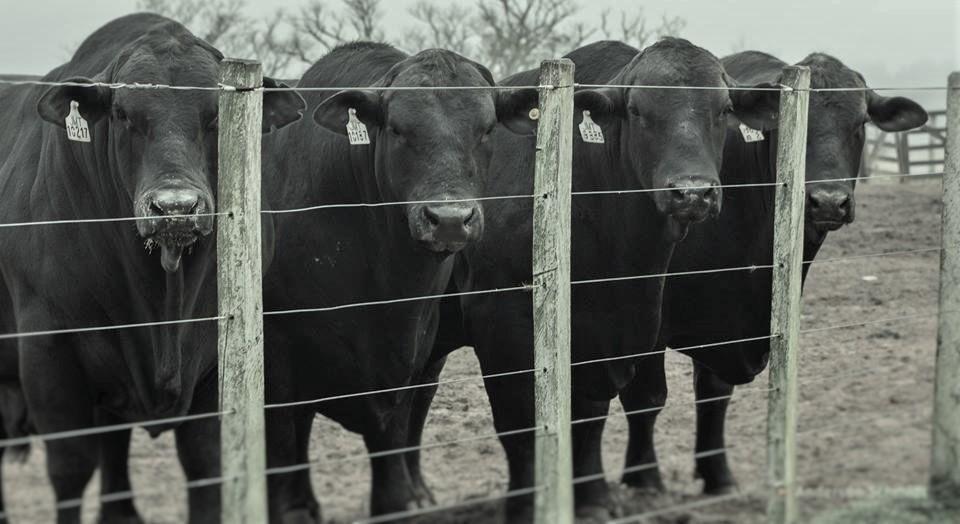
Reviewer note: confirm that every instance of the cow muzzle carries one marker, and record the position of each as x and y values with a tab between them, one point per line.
173	219
446	228
688	201
829	209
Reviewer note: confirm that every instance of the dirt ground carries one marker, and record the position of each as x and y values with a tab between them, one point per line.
866	396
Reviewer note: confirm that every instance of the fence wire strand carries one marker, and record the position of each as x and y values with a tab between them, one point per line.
71	331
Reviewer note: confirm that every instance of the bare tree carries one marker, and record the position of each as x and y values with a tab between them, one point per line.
635	30
316	29
449	26
511	35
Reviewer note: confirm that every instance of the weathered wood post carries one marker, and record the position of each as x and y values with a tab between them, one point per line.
551	294
945	461
239	284
785	311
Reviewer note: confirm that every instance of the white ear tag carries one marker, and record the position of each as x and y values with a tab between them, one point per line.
77	129
750	134
356	130
590	132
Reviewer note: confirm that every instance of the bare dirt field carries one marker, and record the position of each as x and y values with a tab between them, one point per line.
866	398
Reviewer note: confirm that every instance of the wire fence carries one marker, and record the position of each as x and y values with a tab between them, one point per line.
539	431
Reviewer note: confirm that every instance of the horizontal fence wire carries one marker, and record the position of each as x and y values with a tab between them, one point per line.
696	504
408	514
397	203
116	327
761	89
678	350
106	220
904	318
438	383
97	430
399	300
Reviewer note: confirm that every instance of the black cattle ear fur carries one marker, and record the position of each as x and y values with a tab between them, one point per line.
757	109
280	108
895	114
514	109
93	102
605	104
333	113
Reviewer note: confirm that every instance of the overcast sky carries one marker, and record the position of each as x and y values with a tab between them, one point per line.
911	41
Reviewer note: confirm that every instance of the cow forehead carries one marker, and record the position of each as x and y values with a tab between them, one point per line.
190	65
451	106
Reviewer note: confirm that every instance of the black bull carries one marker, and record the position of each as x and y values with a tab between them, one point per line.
152	154
425	146
711	308
666	140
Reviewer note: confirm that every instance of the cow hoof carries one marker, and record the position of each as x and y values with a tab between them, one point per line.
120	519
423	495
723	488
300	516
593	513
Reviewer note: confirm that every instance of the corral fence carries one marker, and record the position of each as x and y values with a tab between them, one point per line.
917	152
240	316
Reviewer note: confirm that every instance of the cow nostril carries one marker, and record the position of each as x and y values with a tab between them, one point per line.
155	208
469	216
710	193
432	218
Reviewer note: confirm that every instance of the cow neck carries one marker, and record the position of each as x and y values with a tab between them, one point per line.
127	283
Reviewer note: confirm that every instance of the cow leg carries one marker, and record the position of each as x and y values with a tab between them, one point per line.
643	399
198	448
391	490
712	468
291	497
58	400
511	401
420	408
115	475
591	493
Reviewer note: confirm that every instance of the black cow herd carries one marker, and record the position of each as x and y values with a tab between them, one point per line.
153	154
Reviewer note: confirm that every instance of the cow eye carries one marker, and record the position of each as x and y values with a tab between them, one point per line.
634	110
727	110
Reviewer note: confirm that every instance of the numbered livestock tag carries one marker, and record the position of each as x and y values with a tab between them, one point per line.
750	134
356	130
590	132
77	129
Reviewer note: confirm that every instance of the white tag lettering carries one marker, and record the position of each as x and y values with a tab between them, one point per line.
750	134
590	132
356	130
77	129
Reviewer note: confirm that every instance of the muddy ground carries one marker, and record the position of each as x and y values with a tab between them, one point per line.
864	419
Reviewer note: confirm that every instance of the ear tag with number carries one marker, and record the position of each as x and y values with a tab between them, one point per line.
356	130
590	132
750	134
77	129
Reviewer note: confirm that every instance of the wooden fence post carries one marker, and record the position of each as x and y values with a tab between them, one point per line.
551	295
945	461
239	285
785	311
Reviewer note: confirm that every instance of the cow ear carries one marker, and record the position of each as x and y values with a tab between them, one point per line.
757	109
896	113
92	102
514	109
334	112
280	108
605	104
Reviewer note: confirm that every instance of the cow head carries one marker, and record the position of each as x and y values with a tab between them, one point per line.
672	139
836	136
432	145
159	147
